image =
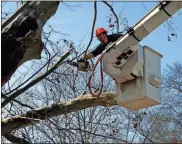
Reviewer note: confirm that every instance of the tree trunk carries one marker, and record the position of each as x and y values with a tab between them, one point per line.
21	35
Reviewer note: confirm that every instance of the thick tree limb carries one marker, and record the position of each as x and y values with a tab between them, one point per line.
35	81
15	139
21	35
35	116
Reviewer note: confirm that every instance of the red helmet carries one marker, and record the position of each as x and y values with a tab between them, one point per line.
100	30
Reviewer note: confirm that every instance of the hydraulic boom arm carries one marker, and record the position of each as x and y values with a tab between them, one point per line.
148	23
136	68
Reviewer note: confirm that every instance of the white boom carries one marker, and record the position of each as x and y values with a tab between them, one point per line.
136	69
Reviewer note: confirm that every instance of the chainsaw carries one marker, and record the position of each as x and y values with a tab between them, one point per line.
82	65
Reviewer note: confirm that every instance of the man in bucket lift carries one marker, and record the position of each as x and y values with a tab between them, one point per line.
105	39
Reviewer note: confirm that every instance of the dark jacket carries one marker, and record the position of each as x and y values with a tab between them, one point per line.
101	47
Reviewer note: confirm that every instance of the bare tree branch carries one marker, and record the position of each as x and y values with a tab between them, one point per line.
15	139
31	76
33	82
20	103
111	8
37	115
93	25
69	6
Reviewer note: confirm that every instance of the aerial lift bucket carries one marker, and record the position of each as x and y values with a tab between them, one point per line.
137	75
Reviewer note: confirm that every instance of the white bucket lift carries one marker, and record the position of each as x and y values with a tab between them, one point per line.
135	68
137	73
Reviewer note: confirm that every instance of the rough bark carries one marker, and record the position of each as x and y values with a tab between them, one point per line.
21	35
37	115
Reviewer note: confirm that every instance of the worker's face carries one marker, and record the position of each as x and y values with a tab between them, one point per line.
102	37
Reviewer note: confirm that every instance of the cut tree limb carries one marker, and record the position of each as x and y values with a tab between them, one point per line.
37	115
21	35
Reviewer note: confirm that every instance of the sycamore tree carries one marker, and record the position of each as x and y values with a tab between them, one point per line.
46	100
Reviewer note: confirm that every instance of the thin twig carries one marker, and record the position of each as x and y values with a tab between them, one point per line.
68	6
33	82
112	10
145	7
20	103
15	139
31	76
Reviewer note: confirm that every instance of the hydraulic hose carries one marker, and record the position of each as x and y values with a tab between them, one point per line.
91	75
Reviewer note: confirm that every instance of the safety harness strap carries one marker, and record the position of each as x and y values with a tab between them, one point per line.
130	31
163	4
